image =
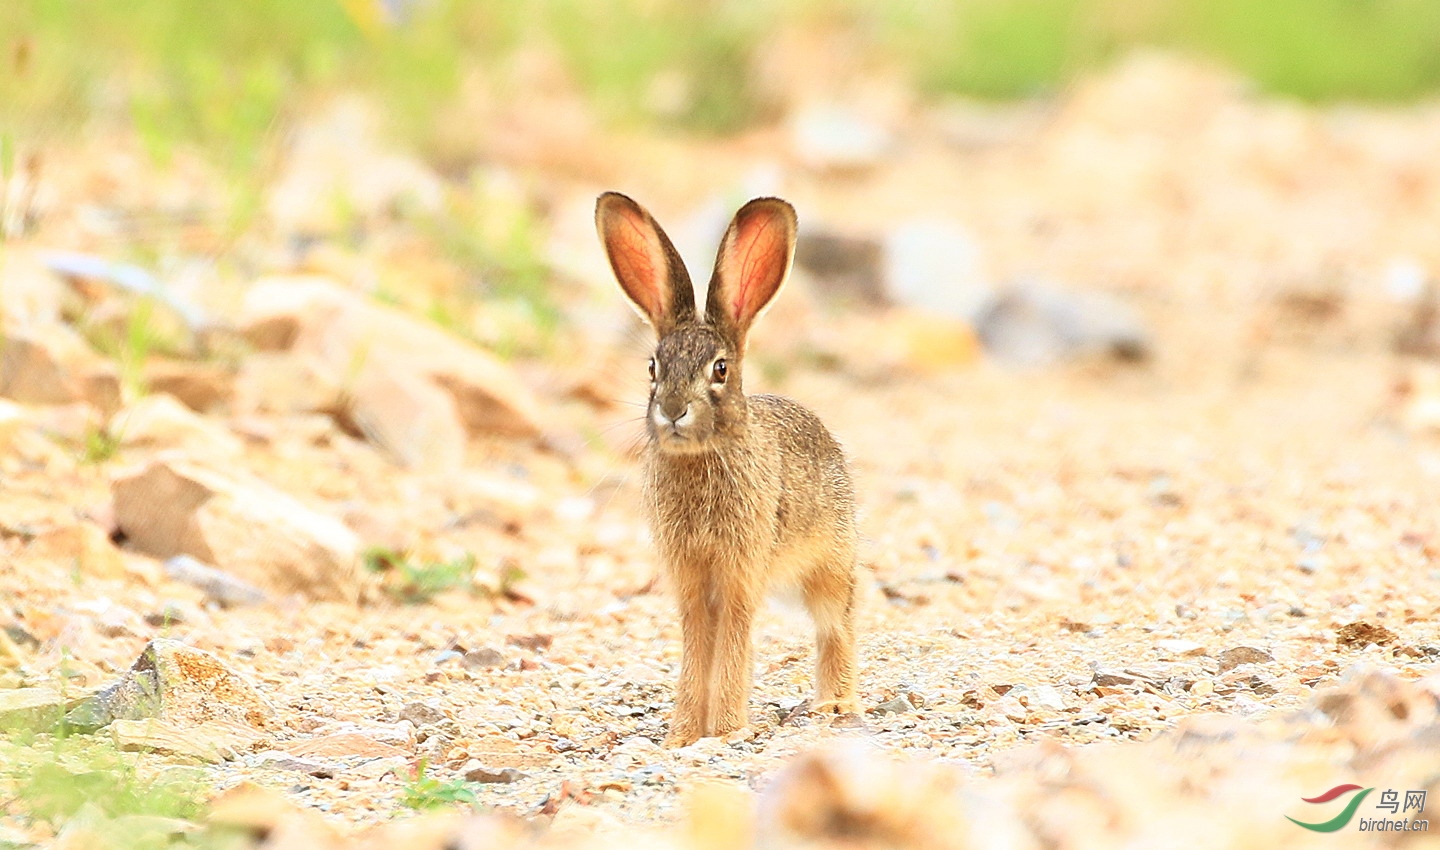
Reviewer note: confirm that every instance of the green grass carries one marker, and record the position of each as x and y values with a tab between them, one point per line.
1315	50
497	243
132	340
415	581
996	49
100	446
1318	50
80	780
423	792
674	63
230	78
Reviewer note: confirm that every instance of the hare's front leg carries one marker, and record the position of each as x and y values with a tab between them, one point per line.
830	597
734	662
697	653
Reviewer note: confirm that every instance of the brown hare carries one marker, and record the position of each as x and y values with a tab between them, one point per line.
744	493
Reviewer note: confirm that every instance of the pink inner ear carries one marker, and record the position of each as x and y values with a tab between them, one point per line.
761	249
633	254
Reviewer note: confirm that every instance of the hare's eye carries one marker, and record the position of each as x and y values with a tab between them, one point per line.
718	371
652	368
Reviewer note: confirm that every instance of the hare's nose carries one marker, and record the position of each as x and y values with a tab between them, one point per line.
671	411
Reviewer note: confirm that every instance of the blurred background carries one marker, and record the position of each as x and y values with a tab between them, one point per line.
1126	312
442	154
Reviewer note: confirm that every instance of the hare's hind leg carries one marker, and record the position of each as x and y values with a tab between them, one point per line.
830	596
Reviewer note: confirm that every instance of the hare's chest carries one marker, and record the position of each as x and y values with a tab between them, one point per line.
700	508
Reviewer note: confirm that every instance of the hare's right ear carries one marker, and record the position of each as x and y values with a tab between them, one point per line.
646	265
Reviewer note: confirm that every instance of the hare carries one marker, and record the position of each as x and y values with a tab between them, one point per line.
743	493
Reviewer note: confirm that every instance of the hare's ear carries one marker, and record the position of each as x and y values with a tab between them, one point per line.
646	265
754	259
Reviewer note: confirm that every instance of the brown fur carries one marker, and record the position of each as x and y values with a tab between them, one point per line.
744	493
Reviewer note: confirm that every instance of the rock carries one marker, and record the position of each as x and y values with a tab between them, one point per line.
411	419
1419	396
846	267
30	293
853	796
1043	696
935	267
24	442
1235	656
534	643
1183	648
1360	634
400	734
833	137
1247	678
287	384
247	809
898	705
343	745
13	424
1110	678
1010	708
376	768
421	714
211	741
483	657
30	708
434	749
369	349
178	684
1374	708
246	528
85	546
111	289
76	423
475	771
12	654
202	387
161	421
218	585
1035	324
108	618
51	364
285	761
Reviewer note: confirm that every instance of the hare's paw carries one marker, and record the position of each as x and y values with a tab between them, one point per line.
682	735
837	705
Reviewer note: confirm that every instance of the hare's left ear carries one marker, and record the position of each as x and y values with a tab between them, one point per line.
754	259
646	264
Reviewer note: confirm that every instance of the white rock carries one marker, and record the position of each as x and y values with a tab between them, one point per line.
935	265
831	136
1175	646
